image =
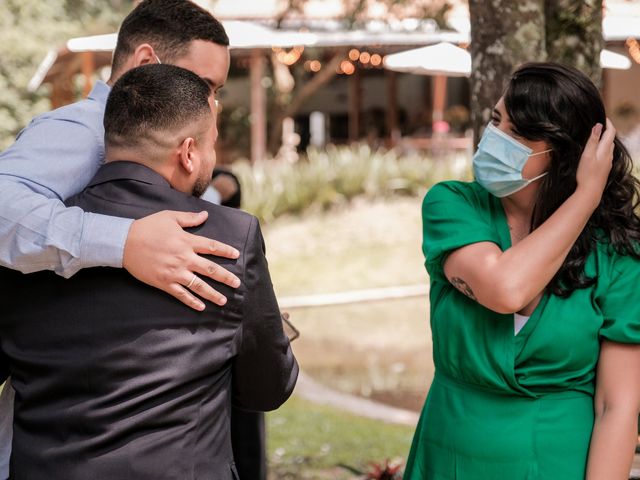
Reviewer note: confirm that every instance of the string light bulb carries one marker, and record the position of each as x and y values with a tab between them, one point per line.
634	49
347	67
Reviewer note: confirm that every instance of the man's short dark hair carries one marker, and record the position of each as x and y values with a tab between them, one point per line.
169	26
154	98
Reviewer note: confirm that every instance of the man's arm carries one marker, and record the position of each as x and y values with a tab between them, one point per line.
265	370
37	232
53	159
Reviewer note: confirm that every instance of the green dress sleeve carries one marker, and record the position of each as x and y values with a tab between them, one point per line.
620	303
455	214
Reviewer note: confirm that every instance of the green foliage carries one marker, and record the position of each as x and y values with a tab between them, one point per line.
334	176
30	28
308	441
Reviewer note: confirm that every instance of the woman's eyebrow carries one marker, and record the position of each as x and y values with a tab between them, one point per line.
497	113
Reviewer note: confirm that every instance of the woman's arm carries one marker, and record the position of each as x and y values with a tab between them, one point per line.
617	405
507	281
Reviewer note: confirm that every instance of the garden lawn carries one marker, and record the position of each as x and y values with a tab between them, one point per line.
311	442
381	349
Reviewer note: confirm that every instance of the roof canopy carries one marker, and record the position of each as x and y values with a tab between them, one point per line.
251	35
447	59
324	31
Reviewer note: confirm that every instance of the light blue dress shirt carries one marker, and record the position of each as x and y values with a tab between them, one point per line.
52	159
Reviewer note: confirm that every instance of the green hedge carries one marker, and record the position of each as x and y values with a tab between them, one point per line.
334	175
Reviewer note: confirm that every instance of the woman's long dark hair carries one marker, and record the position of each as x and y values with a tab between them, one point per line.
560	105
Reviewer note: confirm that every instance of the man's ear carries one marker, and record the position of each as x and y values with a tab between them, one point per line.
188	156
144	54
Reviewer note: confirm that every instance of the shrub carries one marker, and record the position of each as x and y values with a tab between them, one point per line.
335	175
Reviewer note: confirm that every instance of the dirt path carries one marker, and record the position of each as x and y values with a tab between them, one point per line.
315	392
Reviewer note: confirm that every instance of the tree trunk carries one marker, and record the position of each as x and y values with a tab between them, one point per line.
574	35
504	34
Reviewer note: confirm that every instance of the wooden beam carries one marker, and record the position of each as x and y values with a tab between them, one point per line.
355	103
258	107
392	108
439	97
427	98
62	91
88	68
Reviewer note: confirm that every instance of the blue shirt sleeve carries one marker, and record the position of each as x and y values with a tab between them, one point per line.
53	158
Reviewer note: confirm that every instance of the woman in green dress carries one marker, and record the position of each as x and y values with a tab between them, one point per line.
535	295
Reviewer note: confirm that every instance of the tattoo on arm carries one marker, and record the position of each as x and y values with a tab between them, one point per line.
461	285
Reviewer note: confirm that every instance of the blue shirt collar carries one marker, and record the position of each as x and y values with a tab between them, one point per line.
100	92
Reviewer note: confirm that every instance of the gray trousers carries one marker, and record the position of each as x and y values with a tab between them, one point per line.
6	428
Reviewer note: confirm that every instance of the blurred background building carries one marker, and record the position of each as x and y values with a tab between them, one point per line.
319	71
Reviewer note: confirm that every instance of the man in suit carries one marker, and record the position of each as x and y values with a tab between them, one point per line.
113	379
57	155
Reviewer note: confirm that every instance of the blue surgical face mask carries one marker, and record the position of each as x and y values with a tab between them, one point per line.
499	160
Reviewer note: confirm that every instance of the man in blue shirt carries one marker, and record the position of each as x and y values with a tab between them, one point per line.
113	379
59	152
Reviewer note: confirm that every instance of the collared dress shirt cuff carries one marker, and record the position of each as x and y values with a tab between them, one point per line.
103	240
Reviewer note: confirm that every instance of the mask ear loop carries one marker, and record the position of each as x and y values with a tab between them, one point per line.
531	180
540	153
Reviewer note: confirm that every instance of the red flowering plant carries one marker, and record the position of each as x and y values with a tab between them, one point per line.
388	470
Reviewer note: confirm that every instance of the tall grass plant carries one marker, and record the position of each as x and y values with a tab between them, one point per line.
332	176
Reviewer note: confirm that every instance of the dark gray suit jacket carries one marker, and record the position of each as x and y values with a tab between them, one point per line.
117	380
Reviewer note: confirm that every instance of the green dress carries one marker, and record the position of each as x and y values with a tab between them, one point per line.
503	406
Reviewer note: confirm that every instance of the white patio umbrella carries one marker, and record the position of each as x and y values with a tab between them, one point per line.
447	59
440	59
616	61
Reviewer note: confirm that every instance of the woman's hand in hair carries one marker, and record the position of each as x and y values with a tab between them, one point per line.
595	162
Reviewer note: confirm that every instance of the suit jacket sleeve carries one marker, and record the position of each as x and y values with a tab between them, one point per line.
265	370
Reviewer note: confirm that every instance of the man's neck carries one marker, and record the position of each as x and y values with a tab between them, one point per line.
164	168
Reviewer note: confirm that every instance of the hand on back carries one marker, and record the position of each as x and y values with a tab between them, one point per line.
160	253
